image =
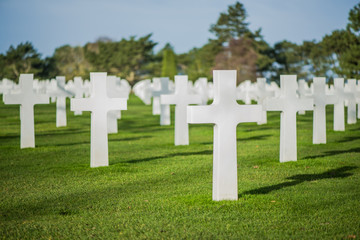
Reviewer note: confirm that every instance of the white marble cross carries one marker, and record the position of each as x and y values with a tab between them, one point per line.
114	91
99	104
156	86
164	108
142	89
262	94
201	87
79	91
339	111
321	99
351	108
289	105
303	91
58	90
225	113
27	99
181	98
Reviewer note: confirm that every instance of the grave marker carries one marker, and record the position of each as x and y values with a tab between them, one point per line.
27	99
99	104
164	108
289	105
321	99
181	98
225	113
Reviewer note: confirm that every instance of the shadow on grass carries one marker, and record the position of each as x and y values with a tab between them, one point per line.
88	142
334	152
205	152
349	139
297	179
260	137
52	133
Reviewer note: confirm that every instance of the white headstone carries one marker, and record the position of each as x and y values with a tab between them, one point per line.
79	91
201	88
303	91
321	99
262	93
58	90
27	99
339	112
351	107
181	98
164	108
99	104
156	86
142	89
225	113
289	105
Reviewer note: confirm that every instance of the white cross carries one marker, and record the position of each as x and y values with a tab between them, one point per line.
27	99
289	105
357	96
60	93
339	112
164	108
351	108
321	99
181	98
79	90
156	86
142	89
201	86
225	113
113	91
262	94
99	104
303	91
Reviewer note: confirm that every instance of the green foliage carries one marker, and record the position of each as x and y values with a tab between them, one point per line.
70	62
125	58
231	24
22	59
155	190
354	20
168	68
287	57
199	62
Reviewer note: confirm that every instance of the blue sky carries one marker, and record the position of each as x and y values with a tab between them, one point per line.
184	23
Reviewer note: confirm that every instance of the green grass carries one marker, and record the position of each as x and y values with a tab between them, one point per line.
155	190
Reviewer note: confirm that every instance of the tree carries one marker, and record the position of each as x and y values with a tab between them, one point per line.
287	58
71	62
22	59
342	47
126	58
239	55
199	62
231	24
168	62
231	27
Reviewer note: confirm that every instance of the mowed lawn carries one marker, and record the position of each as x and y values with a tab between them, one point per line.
155	190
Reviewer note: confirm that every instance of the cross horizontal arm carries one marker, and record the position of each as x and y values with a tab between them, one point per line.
200	114
13	98
83	104
169	99
116	104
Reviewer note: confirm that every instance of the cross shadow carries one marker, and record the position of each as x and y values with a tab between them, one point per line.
53	133
341	172
349	139
334	152
260	137
205	152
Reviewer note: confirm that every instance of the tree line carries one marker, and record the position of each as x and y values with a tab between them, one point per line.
234	46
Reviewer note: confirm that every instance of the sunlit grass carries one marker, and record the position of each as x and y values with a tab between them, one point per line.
153	189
